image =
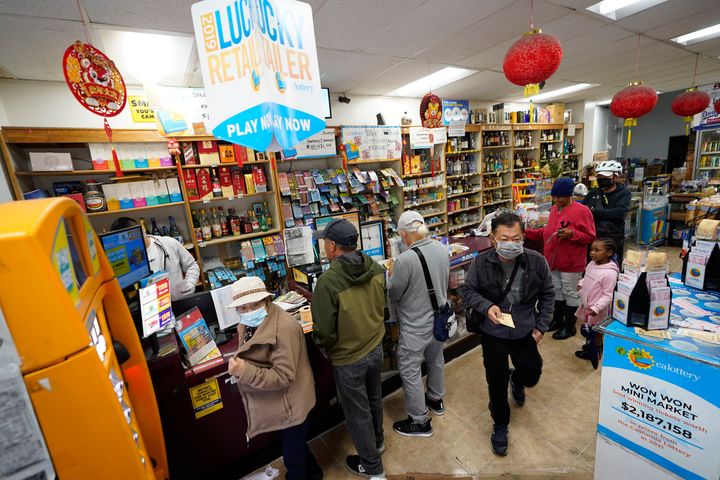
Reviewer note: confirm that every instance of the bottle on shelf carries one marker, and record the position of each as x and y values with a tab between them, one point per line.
143	225
206	226
216	186
94	198
262	223
246	225
268	216
254	224
215	224
155	230
234	221
223	222
175	231
165	231
197	228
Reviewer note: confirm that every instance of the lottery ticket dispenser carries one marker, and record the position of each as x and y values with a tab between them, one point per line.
64	310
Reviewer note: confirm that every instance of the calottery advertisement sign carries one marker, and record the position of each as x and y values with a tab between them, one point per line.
661	403
260	69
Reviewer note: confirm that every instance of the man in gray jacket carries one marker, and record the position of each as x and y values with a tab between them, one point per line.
511	293
407	289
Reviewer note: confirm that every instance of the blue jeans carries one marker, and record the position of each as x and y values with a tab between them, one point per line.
297	457
360	393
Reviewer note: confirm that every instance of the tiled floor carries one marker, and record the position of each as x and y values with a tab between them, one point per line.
552	436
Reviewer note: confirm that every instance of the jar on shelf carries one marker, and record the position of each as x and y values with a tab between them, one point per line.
94	198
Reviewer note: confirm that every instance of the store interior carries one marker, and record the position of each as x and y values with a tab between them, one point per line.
419	114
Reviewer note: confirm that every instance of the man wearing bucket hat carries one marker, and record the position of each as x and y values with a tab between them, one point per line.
273	375
349	312
609	204
408	290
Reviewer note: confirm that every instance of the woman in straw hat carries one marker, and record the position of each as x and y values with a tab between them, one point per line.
274	375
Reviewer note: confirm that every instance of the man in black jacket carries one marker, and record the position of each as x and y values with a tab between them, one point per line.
609	204
511	293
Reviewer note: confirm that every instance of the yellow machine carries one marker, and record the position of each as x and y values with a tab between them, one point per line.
64	310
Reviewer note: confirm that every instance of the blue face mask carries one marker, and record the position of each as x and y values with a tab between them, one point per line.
509	250
254	318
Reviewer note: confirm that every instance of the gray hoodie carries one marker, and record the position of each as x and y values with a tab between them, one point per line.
407	288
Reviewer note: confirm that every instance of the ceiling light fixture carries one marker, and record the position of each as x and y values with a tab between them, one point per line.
560	92
602	103
617	9
698	35
435	80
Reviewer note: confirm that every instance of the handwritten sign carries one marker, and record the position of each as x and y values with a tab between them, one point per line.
421	137
372	142
180	111
318	146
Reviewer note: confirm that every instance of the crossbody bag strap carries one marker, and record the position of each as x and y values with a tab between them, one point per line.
510	282
428	280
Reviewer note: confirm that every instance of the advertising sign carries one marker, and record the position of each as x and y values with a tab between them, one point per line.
260	70
141	110
709	118
455	111
318	146
372	142
421	137
661	405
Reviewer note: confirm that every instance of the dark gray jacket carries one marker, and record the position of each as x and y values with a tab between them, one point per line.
484	285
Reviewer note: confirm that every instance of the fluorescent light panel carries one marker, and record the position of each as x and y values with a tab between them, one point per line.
435	80
617	9
560	92
698	35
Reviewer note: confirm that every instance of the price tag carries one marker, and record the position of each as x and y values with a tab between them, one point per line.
201	244
206	201
231	197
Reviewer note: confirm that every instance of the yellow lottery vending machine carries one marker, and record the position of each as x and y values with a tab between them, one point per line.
66	316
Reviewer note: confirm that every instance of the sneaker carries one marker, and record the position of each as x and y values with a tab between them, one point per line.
381	448
499	440
409	428
355	467
435	406
517	392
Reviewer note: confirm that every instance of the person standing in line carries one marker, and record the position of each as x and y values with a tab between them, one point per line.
569	231
609	204
511	294
408	290
349	312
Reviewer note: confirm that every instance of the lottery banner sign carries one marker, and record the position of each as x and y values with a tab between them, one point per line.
260	69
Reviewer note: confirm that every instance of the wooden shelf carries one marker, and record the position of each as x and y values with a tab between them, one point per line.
436	224
476	207
457	195
239	238
233	164
463	175
26	135
572	154
239	197
454	228
710	153
137	209
497	202
523	169
496	146
498	172
463	152
421	175
709	168
422	187
487	189
434	214
92	172
420	204
380	160
525	148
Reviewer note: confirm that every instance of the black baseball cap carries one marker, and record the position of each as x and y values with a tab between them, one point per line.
339	231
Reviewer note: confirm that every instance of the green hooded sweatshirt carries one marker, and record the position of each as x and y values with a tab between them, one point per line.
349	308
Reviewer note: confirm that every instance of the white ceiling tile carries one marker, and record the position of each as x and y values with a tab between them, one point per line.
658	15
574	4
167	15
675	27
343	71
55	9
399	75
33	48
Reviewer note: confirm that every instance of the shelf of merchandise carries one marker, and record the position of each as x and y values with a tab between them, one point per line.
464	194
236	197
493	147
709	168
379	160
239	238
436	158
497	202
497	172
15	142
423	203
488	189
456	228
462	175
578	143
462	152
526	149
420	175
216	165
467	209
436	213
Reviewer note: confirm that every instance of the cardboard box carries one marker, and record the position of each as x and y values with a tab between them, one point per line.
78	198
556	111
204	183
124	195
50	162
227	153
190	181
226	182
241	154
173	188
208	152
190	156
238	183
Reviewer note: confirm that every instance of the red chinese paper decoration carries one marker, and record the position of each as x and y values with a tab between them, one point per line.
431	111
689	103
716	105
632	102
532	59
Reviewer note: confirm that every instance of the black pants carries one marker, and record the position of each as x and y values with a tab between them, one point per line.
528	366
297	457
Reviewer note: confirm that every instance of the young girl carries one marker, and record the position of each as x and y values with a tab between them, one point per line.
596	294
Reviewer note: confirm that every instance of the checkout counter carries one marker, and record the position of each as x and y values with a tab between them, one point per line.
185	395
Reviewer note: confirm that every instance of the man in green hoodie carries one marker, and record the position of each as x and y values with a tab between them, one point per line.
349	311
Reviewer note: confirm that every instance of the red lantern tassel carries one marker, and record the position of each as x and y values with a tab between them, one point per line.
116	162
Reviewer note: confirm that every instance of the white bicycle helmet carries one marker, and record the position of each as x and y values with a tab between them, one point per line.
609	168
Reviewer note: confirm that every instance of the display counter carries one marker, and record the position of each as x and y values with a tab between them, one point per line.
660	397
203	415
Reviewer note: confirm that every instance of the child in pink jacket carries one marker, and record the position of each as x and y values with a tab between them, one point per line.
596	294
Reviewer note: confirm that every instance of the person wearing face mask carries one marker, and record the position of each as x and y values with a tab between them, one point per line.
408	290
511	294
609	204
569	231
273	375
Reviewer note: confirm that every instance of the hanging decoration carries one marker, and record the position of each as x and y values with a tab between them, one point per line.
431	111
716	105
533	58
96	84
635	100
691	102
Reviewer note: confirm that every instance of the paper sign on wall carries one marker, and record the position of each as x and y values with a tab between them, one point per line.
372	142
260	70
456	129
421	137
318	146
141	110
571	130
180	111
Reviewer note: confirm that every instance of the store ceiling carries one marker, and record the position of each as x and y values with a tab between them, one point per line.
375	46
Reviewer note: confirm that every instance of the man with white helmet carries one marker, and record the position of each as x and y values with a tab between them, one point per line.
609	204
408	290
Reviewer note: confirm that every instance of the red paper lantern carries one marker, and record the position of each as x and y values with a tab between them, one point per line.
632	102
532	59
689	103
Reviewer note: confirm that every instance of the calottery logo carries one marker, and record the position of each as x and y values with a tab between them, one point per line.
659	311
695	272
620	304
640	358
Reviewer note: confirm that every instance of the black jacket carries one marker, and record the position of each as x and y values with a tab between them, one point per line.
609	210
484	285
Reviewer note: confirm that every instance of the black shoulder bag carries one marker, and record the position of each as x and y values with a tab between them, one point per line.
472	318
444	323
